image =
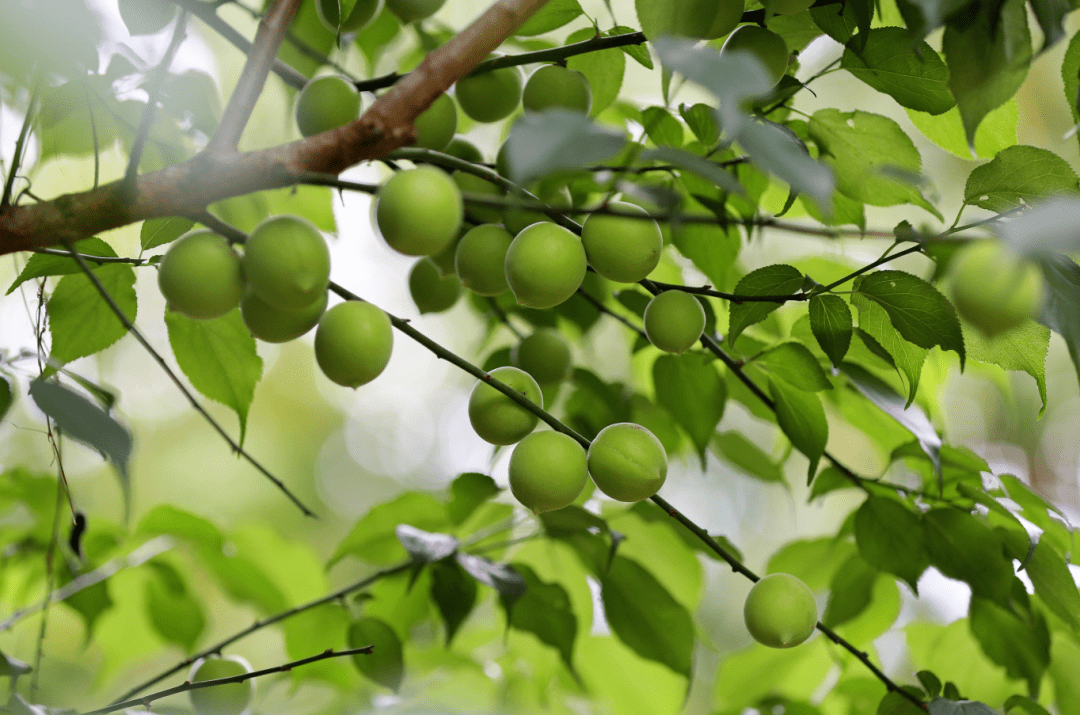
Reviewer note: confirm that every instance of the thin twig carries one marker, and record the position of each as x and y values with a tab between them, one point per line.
180	385
607	311
101	260
504	318
20	145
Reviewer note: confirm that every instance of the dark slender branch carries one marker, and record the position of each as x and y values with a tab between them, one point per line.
263	623
733	297
157	77
607	311
504	318
100	260
20	146
179	384
145	700
881	261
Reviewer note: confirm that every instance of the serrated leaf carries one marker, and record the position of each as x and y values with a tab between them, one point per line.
454	594
646	617
638	53
735	448
556	140
425	547
802	419
1016	638
1019	176
85	422
876	331
604	69
386	663
159	231
775	280
691	389
40	265
1061	312
830	320
793	363
546	612
963	548
890	537
1023	348
551	16
910	72
467	492
373	538
219	358
917	310
80	321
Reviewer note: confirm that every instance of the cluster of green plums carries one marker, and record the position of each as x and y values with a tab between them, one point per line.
280	284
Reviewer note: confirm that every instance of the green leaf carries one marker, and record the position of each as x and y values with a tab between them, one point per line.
454	594
219	358
1016	638
373	538
701	118
166	519
551	16
556	140
988	59
173	612
604	69
793	363
850	592
545	611
741	452
1025	705
997	130
689	386
308	28
467	492
712	249
1061	312
386	663
917	310
637	52
10	667
838	23
830	319
890	537
1054	584
1022	349
873	159
43	264
963	548
661	127
645	617
85	422
896	704
704	168
930	682
1019	176
876	331
5	397
425	547
776	280
942	706
375	38
159	231
802	418
507	582
80	321
912	73
1038	511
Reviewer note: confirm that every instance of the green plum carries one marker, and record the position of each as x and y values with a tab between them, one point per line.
994	288
362	13
272	325
699	19
545	355
326	103
412	10
201	276
481	258
490	96
464	149
555	87
353	343
780	611
545	265
674	321
419	211
497	418
435	127
431	291
768	47
621	249
548	470
227	699
627	462
287	263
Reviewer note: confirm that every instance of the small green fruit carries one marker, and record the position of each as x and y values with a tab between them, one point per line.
146	17
548	470
545	265
622	249
627	462
201	276
326	103
287	263
481	258
674	321
994	288
464	150
780	611
412	10
555	87
271	325
353	343
472	184
435	127
496	417
769	48
431	291
545	355
227	699
362	13
490	96
419	211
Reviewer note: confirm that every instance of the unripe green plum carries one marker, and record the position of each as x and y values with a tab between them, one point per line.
326	103
490	96
769	48
481	259
780	611
271	325
627	462
412	10
419	211
362	13
994	288
516	219
435	127
545	355
548	470
555	87
464	149
674	321
622	249
227	699
700	19
431	291
790	7
545	265
287	263
146	17
496	417
472	184
201	276
353	343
